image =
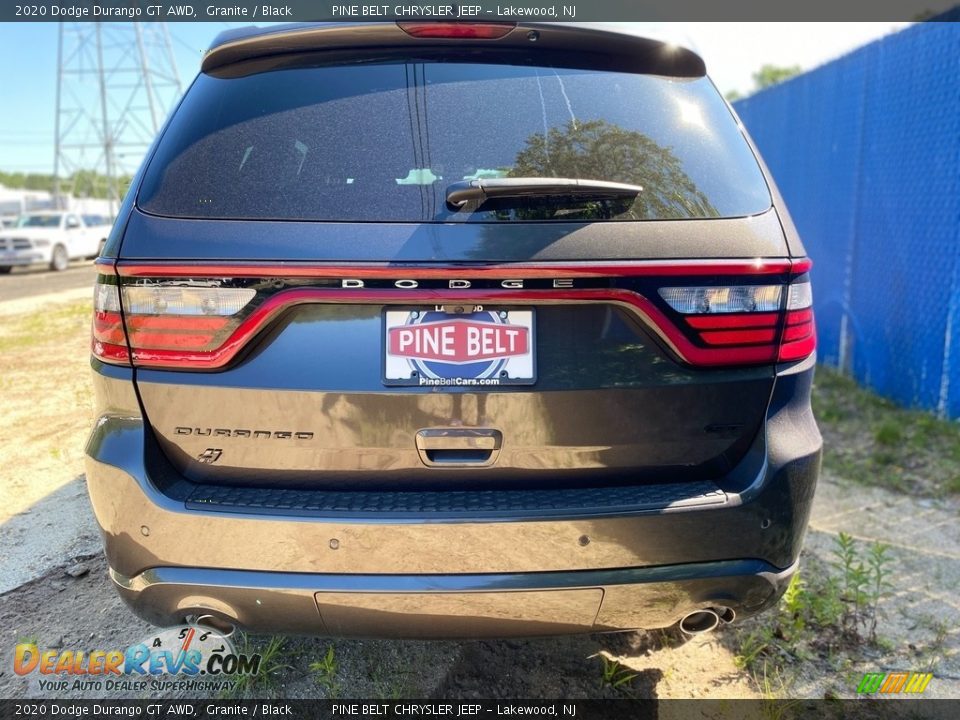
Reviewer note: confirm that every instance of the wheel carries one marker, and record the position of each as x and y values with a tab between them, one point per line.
5	269
60	259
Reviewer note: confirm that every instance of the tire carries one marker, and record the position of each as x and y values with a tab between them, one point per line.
5	269
60	260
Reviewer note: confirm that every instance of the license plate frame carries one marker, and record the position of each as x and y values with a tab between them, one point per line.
513	368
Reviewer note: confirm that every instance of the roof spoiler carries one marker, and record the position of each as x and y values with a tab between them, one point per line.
587	47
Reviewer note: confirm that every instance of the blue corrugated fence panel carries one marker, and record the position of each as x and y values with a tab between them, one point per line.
866	151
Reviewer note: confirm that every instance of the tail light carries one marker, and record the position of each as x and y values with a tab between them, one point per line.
109	342
481	31
201	316
747	323
799	335
176	322
165	323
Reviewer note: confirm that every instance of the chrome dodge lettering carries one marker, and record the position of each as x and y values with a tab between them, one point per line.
453	284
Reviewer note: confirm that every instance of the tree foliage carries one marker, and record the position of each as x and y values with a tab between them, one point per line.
772	74
82	183
765	77
600	150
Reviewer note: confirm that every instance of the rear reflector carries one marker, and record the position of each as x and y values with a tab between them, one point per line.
482	31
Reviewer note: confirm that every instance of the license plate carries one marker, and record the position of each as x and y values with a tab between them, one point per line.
459	346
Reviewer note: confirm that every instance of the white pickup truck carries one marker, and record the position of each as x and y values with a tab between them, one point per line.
53	238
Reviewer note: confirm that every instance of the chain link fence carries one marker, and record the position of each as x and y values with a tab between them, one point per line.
866	151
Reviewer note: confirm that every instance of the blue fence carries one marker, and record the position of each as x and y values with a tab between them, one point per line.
866	151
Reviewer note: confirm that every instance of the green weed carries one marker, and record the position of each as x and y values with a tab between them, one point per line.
615	675
266	680
889	433
832	609
325	672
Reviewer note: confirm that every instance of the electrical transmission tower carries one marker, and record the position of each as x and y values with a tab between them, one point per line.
116	82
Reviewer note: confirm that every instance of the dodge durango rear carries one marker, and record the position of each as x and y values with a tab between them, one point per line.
452	330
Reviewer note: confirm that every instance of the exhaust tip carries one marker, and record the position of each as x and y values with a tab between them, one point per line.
727	615
700	621
222	626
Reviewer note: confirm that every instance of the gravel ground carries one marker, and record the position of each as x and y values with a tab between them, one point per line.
54	588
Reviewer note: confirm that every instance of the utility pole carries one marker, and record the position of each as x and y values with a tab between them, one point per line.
116	82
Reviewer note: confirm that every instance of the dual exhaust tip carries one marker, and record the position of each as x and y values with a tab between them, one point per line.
705	620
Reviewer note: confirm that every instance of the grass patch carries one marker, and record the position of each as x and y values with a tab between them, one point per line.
45	326
889	433
829	612
614	675
266	682
870	440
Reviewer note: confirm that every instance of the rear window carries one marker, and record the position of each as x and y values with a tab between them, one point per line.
383	142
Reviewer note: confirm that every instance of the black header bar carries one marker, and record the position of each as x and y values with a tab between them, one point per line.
246	11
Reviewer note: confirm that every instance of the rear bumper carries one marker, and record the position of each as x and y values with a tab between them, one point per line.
430	606
642	562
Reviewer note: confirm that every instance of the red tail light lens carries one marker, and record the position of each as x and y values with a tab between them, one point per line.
482	31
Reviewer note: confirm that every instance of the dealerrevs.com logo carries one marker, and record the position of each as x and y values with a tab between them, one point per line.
894	683
187	657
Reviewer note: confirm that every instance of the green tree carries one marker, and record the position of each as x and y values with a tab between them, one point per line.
84	183
772	74
765	77
598	149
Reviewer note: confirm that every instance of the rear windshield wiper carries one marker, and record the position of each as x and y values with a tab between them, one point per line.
459	194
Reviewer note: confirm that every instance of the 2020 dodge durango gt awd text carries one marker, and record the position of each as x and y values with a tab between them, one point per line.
430	330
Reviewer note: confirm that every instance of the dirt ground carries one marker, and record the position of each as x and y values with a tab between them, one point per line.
47	529
45	415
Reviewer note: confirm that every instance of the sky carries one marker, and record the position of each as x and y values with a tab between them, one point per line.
732	51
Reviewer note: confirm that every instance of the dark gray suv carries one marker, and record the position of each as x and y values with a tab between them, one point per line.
449	329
